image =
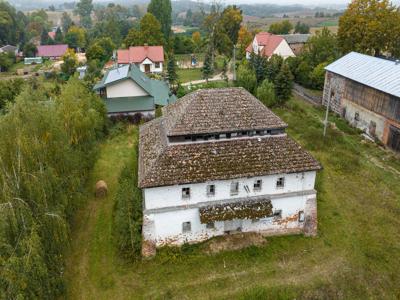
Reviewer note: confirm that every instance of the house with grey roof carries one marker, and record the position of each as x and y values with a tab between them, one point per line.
218	161
365	90
296	41
127	90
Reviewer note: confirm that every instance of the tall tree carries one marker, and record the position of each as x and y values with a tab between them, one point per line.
162	10
266	93
66	22
230	21
284	84
283	27
150	33
207	69
70	62
76	37
244	39
246	77
370	26
44	37
301	28
59	38
84	9
171	69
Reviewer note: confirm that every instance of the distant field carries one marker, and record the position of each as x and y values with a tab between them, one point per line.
55	16
329	23
334	29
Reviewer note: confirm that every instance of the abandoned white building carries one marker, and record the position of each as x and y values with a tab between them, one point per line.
365	90
219	161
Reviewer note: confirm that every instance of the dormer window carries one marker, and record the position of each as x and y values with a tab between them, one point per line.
185	193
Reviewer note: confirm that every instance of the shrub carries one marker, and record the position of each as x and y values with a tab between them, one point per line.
317	76
284	84
266	93
127	224
246	78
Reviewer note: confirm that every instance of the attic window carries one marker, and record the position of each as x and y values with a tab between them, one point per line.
234	188
280	183
257	185
185	193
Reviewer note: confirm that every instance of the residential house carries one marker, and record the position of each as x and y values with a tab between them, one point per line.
127	90
9	49
267	44
296	41
52	51
365	90
150	59
219	161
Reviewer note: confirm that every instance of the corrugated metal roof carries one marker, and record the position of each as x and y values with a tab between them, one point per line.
378	73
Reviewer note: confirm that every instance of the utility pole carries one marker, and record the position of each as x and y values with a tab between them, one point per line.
327	108
234	63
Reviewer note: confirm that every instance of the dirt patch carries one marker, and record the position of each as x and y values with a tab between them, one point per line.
234	242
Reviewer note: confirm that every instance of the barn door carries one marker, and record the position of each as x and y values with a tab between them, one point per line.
394	138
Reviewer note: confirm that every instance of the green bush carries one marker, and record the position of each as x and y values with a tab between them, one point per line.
127	225
246	78
266	93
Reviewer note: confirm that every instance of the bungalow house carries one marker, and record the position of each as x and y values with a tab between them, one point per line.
149	59
296	41
52	51
127	90
267	44
365	90
218	161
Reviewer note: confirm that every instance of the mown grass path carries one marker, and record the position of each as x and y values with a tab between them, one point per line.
355	256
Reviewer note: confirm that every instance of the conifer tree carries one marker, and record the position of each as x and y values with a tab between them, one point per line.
283	84
207	69
171	69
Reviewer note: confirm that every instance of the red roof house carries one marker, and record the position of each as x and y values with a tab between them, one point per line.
52	34
52	51
148	58
267	44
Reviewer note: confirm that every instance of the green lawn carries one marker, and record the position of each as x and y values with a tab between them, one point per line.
186	75
355	256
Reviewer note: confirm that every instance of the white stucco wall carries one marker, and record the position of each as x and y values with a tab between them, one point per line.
125	88
166	227
153	68
165	211
365	118
284	50
168	196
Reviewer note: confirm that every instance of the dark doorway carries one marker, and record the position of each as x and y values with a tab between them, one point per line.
394	138
147	68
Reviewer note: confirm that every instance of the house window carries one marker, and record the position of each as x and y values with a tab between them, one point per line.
185	193
257	185
280	183
186	227
210	225
234	188
301	216
157	65
211	190
277	214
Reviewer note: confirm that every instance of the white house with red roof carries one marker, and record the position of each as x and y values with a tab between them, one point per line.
149	59
268	44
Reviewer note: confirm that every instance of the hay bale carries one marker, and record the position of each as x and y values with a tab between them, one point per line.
101	189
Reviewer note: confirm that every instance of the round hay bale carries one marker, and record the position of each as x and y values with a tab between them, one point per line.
101	189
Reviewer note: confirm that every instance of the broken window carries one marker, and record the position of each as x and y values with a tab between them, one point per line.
280	183
257	185
301	216
186	227
210	225
211	190
185	193
234	188
277	214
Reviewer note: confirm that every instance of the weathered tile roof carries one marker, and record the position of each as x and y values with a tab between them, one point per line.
162	164
217	111
296	38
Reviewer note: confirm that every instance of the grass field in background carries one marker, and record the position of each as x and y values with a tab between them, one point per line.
355	256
